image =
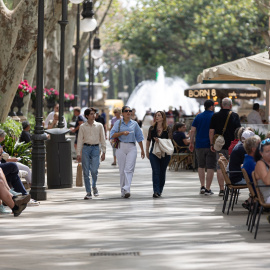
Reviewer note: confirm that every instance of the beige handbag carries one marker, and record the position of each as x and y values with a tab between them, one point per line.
219	140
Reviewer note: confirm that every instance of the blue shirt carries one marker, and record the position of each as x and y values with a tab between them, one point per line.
249	165
202	124
134	129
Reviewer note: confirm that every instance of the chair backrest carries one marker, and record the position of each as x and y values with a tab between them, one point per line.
249	183
259	194
224	159
176	146
223	166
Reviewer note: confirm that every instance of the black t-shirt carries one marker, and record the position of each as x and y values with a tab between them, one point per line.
152	133
236	160
218	121
25	137
79	119
179	137
100	120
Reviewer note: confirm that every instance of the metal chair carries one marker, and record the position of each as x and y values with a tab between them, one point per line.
229	187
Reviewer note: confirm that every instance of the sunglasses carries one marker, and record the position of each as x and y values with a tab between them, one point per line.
264	142
127	110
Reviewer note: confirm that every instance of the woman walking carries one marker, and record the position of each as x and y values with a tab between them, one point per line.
117	113
159	130
128	132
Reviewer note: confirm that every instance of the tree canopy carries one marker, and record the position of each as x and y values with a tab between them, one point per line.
187	36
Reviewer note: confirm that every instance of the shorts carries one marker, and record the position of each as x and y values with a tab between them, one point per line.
206	158
225	154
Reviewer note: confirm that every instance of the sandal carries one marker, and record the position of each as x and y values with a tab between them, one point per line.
113	164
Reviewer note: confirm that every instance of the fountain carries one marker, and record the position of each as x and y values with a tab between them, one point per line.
160	94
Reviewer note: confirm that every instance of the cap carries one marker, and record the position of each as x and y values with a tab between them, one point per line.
247	134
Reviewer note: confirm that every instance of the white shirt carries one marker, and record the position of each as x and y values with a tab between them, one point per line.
254	118
50	117
91	134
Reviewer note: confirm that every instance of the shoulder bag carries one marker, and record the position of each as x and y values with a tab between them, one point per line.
219	140
115	141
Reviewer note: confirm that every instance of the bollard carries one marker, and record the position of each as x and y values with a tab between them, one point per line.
79	176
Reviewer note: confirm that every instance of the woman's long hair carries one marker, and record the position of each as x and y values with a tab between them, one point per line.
164	122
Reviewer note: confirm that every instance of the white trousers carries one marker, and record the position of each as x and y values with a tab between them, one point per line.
126	156
23	167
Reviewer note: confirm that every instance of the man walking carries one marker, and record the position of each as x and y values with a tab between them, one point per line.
91	135
205	157
216	127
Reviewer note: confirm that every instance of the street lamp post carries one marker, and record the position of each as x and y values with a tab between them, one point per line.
63	23
77	47
38	151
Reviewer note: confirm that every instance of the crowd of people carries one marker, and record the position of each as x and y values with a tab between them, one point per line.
240	146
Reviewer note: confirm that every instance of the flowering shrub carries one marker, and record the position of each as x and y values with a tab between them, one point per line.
68	97
24	89
51	94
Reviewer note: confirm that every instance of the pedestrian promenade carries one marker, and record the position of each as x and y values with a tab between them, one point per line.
181	230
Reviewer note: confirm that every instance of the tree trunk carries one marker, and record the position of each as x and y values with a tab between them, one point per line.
52	60
19	27
29	75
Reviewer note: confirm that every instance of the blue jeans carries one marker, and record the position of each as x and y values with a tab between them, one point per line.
90	163
10	170
159	167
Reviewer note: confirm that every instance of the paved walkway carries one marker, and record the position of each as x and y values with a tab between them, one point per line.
182	230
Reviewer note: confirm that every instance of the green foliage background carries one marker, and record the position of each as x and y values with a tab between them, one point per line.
188	36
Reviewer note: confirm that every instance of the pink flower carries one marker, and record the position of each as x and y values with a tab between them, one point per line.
30	89
56	92
20	87
71	97
21	94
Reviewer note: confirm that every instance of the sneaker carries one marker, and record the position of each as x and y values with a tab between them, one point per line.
88	196
208	192
155	195
202	190
3	210
221	193
14	193
22	199
95	191
19	210
33	202
127	195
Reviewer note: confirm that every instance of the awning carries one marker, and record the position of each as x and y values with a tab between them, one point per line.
241	91
252	68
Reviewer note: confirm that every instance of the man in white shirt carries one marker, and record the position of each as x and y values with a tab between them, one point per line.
254	117
51	116
91	135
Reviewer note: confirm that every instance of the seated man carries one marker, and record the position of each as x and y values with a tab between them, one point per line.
16	204
25	135
179	136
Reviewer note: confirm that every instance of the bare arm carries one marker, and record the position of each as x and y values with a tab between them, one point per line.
142	151
211	137
192	135
262	173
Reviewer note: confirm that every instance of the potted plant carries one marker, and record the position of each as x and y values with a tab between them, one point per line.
51	96
68	98
23	90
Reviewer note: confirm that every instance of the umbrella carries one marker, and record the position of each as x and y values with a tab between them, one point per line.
241	91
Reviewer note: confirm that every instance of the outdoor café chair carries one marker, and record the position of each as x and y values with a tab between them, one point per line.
260	203
253	197
229	187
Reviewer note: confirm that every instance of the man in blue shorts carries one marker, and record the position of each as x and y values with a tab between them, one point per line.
205	157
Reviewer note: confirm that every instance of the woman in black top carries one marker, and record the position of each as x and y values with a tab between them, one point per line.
159	130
